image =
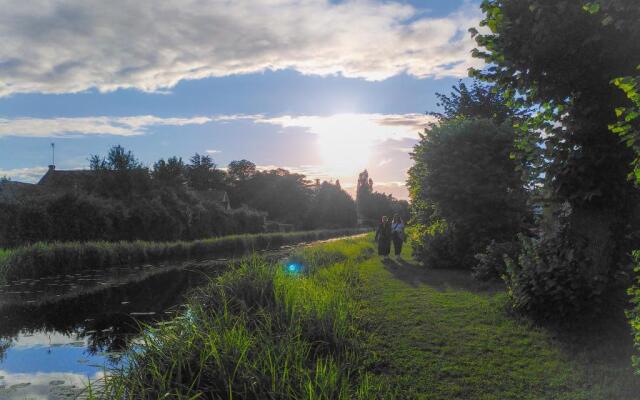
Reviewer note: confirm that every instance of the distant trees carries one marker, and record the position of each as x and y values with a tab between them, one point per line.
202	173
241	170
331	207
170	173
372	206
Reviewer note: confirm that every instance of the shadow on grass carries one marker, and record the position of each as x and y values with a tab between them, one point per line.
414	274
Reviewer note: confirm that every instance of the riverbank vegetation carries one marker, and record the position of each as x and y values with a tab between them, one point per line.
261	331
335	323
42	259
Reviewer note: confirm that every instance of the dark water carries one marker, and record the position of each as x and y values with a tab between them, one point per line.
56	333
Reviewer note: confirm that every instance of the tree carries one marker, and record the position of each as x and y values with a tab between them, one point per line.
119	174
567	82
331	207
169	173
479	101
241	170
202	173
466	191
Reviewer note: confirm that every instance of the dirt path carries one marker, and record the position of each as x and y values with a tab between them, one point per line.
441	335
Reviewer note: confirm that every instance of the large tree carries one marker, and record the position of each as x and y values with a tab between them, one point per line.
558	60
466	191
331	207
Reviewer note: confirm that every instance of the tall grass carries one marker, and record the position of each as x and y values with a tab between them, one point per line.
43	259
258	332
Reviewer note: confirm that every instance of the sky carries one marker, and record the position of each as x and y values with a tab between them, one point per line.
321	87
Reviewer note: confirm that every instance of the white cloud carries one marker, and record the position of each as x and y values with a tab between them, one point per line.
120	126
31	175
214	151
384	162
74	45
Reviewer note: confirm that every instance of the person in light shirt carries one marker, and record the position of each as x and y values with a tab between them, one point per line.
397	234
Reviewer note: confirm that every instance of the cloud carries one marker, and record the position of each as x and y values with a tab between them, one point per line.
214	151
119	126
366	126
75	45
384	162
31	175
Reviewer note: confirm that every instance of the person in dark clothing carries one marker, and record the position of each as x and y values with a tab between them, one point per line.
397	234
383	237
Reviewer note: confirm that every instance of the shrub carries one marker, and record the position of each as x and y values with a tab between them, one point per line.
491	263
553	279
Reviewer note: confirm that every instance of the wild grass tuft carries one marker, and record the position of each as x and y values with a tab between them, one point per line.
258	332
41	259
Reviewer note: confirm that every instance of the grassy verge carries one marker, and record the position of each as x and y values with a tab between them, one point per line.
260	331
439	335
43	259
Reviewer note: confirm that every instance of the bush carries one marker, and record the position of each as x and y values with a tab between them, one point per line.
554	279
491	263
466	190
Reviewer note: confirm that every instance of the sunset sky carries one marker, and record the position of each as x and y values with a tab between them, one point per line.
325	88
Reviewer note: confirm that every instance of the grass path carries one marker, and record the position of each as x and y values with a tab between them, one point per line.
440	335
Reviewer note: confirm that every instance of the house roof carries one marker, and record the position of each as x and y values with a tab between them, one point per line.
60	179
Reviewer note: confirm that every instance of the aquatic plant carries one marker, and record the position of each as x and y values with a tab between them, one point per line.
42	259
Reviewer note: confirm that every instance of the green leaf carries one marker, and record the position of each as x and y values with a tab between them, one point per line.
591	7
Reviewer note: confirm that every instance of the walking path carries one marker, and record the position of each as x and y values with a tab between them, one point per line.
442	335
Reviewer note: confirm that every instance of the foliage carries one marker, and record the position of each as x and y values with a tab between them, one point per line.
241	170
331	207
170	173
163	214
465	190
202	173
634	313
566	85
283	195
372	206
42	259
478	101
492	262
258	332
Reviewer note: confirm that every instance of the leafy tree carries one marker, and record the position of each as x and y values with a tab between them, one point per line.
119	174
371	206
478	101
466	191
558	60
169	173
202	173
241	170
331	207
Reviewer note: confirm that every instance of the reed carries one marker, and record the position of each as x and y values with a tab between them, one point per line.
42	259
259	331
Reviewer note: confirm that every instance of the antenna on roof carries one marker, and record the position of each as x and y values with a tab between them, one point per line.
53	154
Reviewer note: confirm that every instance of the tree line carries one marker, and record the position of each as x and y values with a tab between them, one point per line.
119	198
531	172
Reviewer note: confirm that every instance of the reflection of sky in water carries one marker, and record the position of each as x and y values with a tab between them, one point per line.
52	364
41	386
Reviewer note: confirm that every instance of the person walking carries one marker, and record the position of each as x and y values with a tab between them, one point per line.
383	237
397	234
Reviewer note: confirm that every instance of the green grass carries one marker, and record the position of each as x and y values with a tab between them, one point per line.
42	259
353	327
439	335
259	332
